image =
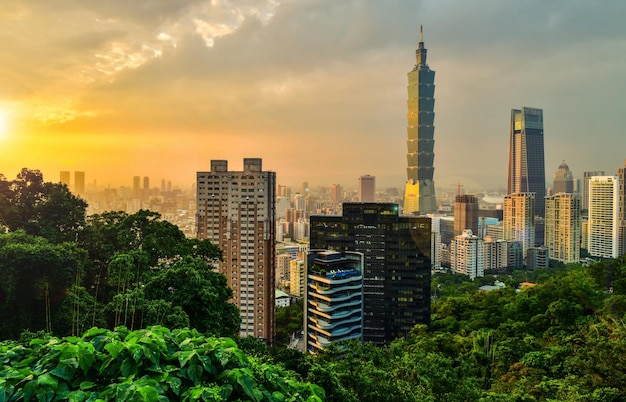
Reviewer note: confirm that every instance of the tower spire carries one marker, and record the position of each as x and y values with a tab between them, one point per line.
421	34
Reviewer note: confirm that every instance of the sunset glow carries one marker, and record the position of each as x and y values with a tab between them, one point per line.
317	89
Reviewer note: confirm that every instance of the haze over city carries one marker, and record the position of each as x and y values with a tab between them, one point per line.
317	89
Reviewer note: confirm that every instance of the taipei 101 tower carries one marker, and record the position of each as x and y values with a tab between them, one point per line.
419	194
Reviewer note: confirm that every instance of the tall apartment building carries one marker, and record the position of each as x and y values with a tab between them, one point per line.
467	255
236	212
585	195
397	264
296	277
621	178
563	181
465	214
333	300
419	193
527	172
603	222
367	188
519	219
563	225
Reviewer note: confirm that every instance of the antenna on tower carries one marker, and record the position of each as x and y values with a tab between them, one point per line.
421	34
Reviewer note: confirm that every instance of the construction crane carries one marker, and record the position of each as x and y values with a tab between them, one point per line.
458	188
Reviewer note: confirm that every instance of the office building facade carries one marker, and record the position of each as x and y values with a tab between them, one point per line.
519	219
397	264
603	221
236	212
621	214
367	188
562	224
333	301
526	156
419	193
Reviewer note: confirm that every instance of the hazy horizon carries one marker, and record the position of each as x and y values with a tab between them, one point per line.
316	88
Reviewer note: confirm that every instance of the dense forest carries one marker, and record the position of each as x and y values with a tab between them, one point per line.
123	307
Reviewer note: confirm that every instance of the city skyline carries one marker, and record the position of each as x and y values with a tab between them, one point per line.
118	90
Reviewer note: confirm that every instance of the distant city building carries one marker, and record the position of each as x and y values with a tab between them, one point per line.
465	214
563	180
333	301
537	257
79	183
136	186
336	193
586	177
496	232
467	255
519	219
236	212
419	193
562	224
64	177
397	270
367	188
296	278
526	156
146	184
282	298
603	214
282	267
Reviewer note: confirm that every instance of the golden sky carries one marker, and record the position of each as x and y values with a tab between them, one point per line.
317	88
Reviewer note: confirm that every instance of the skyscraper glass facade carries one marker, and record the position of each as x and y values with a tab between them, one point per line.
419	195
527	173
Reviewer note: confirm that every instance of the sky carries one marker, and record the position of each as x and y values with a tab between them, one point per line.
316	88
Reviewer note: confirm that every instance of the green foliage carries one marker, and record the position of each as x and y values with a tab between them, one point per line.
154	364
41	208
289	321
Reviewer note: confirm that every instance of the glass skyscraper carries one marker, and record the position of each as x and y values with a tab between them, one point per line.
419	195
527	173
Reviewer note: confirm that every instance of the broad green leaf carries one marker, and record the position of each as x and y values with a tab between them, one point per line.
64	371
114	348
148	393
185	356
152	354
194	372
128	368
87	385
174	383
248	385
85	359
48	380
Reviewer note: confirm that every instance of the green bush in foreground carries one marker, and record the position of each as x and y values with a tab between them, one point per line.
154	364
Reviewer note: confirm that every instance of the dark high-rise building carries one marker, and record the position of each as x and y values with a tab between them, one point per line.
563	180
527	173
465	214
419	193
397	264
367	188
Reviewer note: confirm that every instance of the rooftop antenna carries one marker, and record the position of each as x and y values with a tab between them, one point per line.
421	34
